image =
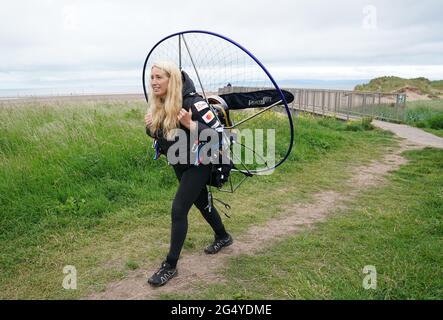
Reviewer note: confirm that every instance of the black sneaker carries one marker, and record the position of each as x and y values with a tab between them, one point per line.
163	275
218	244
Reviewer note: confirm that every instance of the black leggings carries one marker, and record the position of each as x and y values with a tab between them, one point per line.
192	190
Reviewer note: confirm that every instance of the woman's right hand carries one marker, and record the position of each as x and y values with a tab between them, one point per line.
148	120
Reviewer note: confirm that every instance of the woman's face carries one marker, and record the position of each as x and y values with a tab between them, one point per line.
159	82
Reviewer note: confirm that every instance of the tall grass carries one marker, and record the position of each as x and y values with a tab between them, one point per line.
83	174
391	84
67	167
427	114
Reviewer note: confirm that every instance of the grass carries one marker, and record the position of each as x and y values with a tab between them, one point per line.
397	228
394	84
437	84
426	114
77	187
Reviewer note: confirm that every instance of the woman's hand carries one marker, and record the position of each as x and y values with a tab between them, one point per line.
185	118
148	119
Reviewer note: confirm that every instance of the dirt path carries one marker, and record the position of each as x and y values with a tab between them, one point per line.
198	268
412	134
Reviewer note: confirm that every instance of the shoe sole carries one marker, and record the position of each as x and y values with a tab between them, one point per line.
156	285
226	245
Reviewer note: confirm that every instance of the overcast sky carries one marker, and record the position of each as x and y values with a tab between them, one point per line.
59	43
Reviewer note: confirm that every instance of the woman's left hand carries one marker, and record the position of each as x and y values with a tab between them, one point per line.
185	118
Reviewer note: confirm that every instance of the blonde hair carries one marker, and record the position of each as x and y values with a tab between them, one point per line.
166	109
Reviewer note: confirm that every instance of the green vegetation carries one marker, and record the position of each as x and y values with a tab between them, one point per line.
398	228
393	84
360	125
438	85
426	114
77	187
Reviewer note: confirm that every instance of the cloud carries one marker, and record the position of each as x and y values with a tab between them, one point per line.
48	41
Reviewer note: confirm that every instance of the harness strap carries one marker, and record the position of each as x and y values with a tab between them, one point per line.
157	149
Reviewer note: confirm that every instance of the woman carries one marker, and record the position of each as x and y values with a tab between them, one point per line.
174	105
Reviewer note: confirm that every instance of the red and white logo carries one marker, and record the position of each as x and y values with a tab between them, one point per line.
208	116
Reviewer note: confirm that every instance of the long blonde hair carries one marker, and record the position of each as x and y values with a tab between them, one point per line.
166	109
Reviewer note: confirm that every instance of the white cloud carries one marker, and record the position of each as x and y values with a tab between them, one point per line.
352	72
45	42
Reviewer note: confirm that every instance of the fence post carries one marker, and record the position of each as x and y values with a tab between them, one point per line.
329	100
299	98
323	102
335	102
349	103
364	104
312	95
303	99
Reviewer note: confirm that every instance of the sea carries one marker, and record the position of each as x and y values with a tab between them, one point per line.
18	93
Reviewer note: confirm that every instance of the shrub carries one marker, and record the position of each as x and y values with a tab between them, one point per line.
366	123
436	122
360	125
